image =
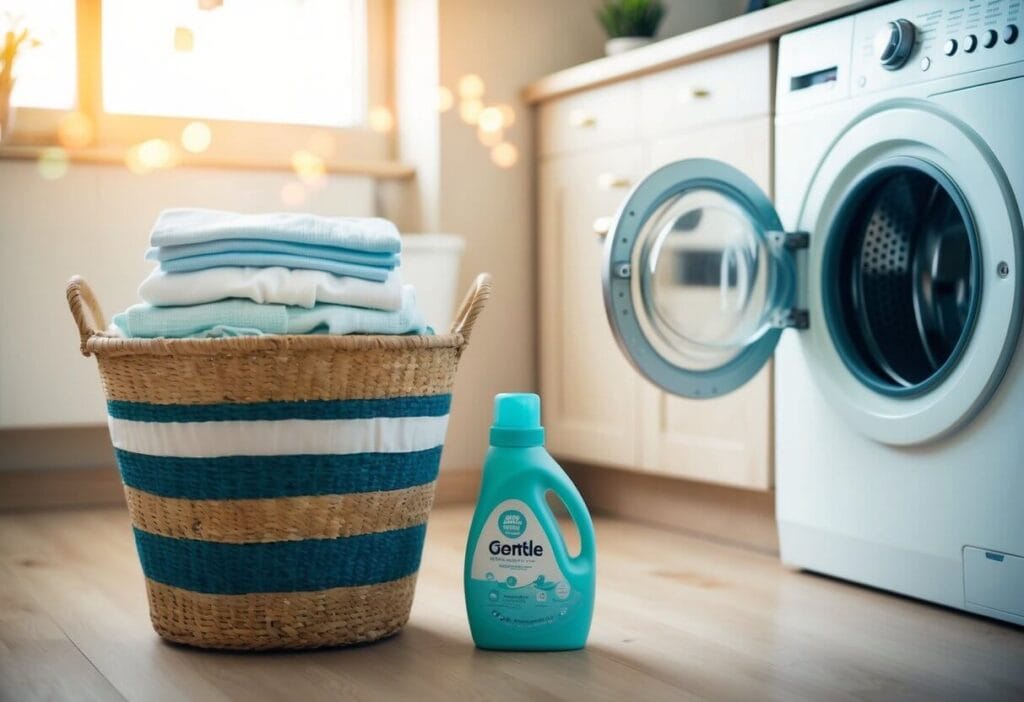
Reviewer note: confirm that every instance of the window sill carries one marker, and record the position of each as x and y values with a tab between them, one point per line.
381	170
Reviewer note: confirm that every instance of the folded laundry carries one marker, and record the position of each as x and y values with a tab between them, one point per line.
260	259
244	317
275	285
191	226
233	246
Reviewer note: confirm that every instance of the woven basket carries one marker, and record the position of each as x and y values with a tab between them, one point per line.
278	486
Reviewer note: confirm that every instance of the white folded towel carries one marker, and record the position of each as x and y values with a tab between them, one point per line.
276	285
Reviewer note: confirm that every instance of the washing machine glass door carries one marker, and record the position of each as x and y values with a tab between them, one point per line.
699	278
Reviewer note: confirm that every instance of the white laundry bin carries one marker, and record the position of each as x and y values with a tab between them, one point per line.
431	263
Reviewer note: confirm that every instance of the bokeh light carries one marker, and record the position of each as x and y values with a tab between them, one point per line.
196	137
133	162
156	153
53	163
445	99
471	86
469	110
380	119
293	194
309	167
75	130
505	155
184	40
490	119
490	138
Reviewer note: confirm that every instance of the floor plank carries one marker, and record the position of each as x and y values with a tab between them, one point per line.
677	617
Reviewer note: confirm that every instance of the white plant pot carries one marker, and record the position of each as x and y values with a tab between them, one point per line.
620	45
430	262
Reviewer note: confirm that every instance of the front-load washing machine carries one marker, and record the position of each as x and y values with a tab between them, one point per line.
886	280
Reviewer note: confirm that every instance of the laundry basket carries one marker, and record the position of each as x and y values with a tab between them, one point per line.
278	486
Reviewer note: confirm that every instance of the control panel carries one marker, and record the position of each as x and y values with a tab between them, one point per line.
918	40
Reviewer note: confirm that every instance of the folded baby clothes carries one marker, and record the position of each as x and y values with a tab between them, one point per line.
244	317
275	285
221	246
261	259
177	227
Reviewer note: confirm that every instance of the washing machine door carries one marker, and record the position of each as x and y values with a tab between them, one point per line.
699	278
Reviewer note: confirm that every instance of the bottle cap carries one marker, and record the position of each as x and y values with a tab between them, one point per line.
517	420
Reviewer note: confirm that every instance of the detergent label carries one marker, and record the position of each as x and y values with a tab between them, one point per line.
515	579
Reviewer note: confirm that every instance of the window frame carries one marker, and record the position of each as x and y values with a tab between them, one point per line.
234	143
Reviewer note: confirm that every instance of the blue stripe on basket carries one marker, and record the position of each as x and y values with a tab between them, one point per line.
422	406
281	566
255	477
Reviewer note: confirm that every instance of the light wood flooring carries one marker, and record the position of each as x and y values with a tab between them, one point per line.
677	617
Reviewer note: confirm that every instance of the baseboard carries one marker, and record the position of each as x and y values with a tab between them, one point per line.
742	517
457	487
26	489
30	488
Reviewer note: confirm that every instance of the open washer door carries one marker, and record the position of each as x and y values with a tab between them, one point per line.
699	278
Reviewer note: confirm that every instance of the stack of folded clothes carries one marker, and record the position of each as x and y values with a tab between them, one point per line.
227	274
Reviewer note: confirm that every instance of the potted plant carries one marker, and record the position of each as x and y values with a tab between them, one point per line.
629	23
13	42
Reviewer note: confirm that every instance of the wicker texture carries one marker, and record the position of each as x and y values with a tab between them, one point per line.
344	615
335	538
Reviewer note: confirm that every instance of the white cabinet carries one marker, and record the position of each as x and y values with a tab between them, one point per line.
591	393
598	409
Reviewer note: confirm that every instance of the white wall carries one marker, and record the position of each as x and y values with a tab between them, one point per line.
508	44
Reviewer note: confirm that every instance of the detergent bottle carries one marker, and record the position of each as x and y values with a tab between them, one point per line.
524	592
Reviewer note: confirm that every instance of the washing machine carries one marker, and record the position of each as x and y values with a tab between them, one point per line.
884	278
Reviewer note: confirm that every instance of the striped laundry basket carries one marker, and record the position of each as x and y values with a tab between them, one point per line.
278	486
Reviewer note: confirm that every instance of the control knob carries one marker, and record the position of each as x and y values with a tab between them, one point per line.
893	43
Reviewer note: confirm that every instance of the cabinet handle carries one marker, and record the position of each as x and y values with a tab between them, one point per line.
582	120
602	225
693	94
607	181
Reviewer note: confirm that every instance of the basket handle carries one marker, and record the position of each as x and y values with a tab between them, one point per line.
471	307
85	309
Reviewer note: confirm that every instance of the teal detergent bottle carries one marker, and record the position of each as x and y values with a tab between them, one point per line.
524	592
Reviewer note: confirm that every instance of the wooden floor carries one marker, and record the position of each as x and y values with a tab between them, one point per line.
676	618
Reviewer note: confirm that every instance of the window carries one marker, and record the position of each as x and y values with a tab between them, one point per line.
45	74
260	75
287	61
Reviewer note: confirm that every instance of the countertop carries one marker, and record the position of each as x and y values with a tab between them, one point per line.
730	35
676	617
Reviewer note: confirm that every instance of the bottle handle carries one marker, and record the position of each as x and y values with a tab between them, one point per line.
571	498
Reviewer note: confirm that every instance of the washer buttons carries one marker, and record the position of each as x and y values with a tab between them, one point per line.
950	47
926	63
989	38
970	43
1010	33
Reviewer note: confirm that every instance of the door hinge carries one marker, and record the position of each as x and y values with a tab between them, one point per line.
793	318
789	240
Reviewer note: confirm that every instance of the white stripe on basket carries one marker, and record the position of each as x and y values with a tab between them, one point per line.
281	437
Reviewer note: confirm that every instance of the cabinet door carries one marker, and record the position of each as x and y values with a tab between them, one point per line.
591	393
726	439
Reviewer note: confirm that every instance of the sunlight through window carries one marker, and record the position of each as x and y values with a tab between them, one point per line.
44	74
287	61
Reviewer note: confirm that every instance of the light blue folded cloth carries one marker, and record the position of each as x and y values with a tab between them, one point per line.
175	227
328	253
246	318
263	260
